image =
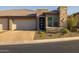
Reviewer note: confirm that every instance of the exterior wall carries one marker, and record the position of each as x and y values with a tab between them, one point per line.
63	16
12	21
51	28
4	24
24	23
39	12
11	24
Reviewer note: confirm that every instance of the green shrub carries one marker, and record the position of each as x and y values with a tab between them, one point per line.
64	31
72	23
42	34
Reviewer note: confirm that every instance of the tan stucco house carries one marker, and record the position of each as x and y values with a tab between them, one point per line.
40	19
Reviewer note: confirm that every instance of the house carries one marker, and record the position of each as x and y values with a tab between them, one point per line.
40	19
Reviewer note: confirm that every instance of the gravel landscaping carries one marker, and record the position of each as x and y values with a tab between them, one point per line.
45	35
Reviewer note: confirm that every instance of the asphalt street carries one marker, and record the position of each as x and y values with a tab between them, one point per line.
53	47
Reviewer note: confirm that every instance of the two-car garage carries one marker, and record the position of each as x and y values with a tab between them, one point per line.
25	23
18	23
21	19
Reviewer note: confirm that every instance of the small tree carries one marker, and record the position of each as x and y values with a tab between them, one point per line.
72	23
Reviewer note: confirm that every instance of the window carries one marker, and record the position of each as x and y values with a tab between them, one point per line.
49	21
53	21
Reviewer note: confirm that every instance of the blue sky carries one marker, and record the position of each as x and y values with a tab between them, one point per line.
71	9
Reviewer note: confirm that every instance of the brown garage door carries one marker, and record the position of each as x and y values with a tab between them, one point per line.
25	24
4	23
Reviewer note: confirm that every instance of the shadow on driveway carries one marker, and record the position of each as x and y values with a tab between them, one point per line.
55	47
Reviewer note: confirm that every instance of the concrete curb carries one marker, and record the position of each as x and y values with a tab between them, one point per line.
53	40
43	41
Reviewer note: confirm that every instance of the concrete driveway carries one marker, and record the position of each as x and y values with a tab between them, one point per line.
18	36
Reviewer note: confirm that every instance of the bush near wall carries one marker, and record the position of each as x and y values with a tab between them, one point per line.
64	31
72	23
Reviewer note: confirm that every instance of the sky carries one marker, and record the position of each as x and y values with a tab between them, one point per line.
71	9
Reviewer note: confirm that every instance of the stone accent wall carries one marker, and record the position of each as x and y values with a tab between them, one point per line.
63	16
53	29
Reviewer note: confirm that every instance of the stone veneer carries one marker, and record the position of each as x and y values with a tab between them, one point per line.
63	16
62	20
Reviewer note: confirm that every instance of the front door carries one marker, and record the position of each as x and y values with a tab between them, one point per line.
42	23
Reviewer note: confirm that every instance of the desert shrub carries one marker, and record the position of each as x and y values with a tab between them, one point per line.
64	31
72	23
42	34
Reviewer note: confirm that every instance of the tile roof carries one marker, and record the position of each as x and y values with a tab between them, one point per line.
21	12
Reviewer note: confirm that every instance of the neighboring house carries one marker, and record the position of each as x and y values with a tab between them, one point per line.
40	19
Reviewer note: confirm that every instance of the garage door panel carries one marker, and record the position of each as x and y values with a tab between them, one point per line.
25	24
4	23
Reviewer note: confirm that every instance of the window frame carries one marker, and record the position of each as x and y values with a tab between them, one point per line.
52	22
49	21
